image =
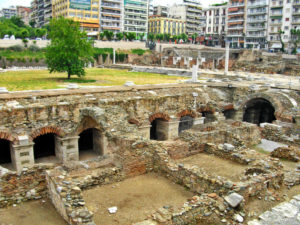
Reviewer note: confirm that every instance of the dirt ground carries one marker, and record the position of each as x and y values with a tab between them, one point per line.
136	198
214	165
258	206
37	212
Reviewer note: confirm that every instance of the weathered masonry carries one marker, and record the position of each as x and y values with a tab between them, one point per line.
71	125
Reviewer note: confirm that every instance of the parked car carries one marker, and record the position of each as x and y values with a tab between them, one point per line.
38	39
6	37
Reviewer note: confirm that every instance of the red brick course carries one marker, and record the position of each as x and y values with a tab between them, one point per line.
159	116
47	130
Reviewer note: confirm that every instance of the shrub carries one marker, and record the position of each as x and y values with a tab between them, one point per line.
0	57
121	57
100	51
23	60
10	59
104	56
25	41
34	42
37	60
34	48
138	51
30	60
19	60
17	48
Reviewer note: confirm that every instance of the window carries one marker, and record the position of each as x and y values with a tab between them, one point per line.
287	19
286	27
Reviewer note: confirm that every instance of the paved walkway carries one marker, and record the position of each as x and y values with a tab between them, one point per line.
286	213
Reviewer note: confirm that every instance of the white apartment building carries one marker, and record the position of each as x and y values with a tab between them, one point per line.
9	12
257	24
111	15
189	11
280	19
215	24
136	14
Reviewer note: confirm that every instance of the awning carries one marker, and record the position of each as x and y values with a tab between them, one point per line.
92	34
276	45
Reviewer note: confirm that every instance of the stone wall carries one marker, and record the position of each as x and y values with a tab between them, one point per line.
30	184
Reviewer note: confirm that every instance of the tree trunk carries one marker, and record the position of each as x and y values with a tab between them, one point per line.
69	75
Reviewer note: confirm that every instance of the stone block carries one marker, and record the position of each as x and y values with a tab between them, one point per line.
234	199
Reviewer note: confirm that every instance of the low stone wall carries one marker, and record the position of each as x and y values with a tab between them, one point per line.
30	184
67	198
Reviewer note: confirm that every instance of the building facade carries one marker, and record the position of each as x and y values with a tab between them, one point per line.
41	12
111	15
215	24
257	24
160	11
86	12
190	11
136	16
24	13
9	12
280	23
236	23
166	25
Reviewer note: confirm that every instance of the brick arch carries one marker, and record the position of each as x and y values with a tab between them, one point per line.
87	122
47	130
187	112
163	116
9	137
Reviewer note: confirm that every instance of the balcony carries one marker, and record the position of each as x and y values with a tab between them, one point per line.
257	5
256	28
256	35
237	13
257	13
235	28
296	13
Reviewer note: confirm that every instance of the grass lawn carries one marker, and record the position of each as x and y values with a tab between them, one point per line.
42	79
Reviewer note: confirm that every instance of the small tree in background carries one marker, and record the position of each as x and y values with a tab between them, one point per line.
108	34
295	39
130	36
159	37
167	37
70	50
280	33
184	37
151	37
120	36
141	36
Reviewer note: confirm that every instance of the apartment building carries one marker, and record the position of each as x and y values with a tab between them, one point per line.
86	12
41	12
280	19
136	16
296	14
215	24
160	11
9	12
189	11
236	23
111	15
166	25
257	24
24	13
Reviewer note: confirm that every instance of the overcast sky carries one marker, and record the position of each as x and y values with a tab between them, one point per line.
7	3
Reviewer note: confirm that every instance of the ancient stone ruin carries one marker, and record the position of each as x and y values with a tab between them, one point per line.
62	144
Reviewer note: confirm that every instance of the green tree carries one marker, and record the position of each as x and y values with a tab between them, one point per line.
130	36
159	37
194	37
141	36
17	21
108	34
70	50
167	37
184	37
280	33
32	23
24	33
102	36
120	36
151	37
295	39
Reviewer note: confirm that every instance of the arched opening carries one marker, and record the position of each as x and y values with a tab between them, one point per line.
5	154
90	144
159	129
209	116
186	122
44	148
259	111
229	114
